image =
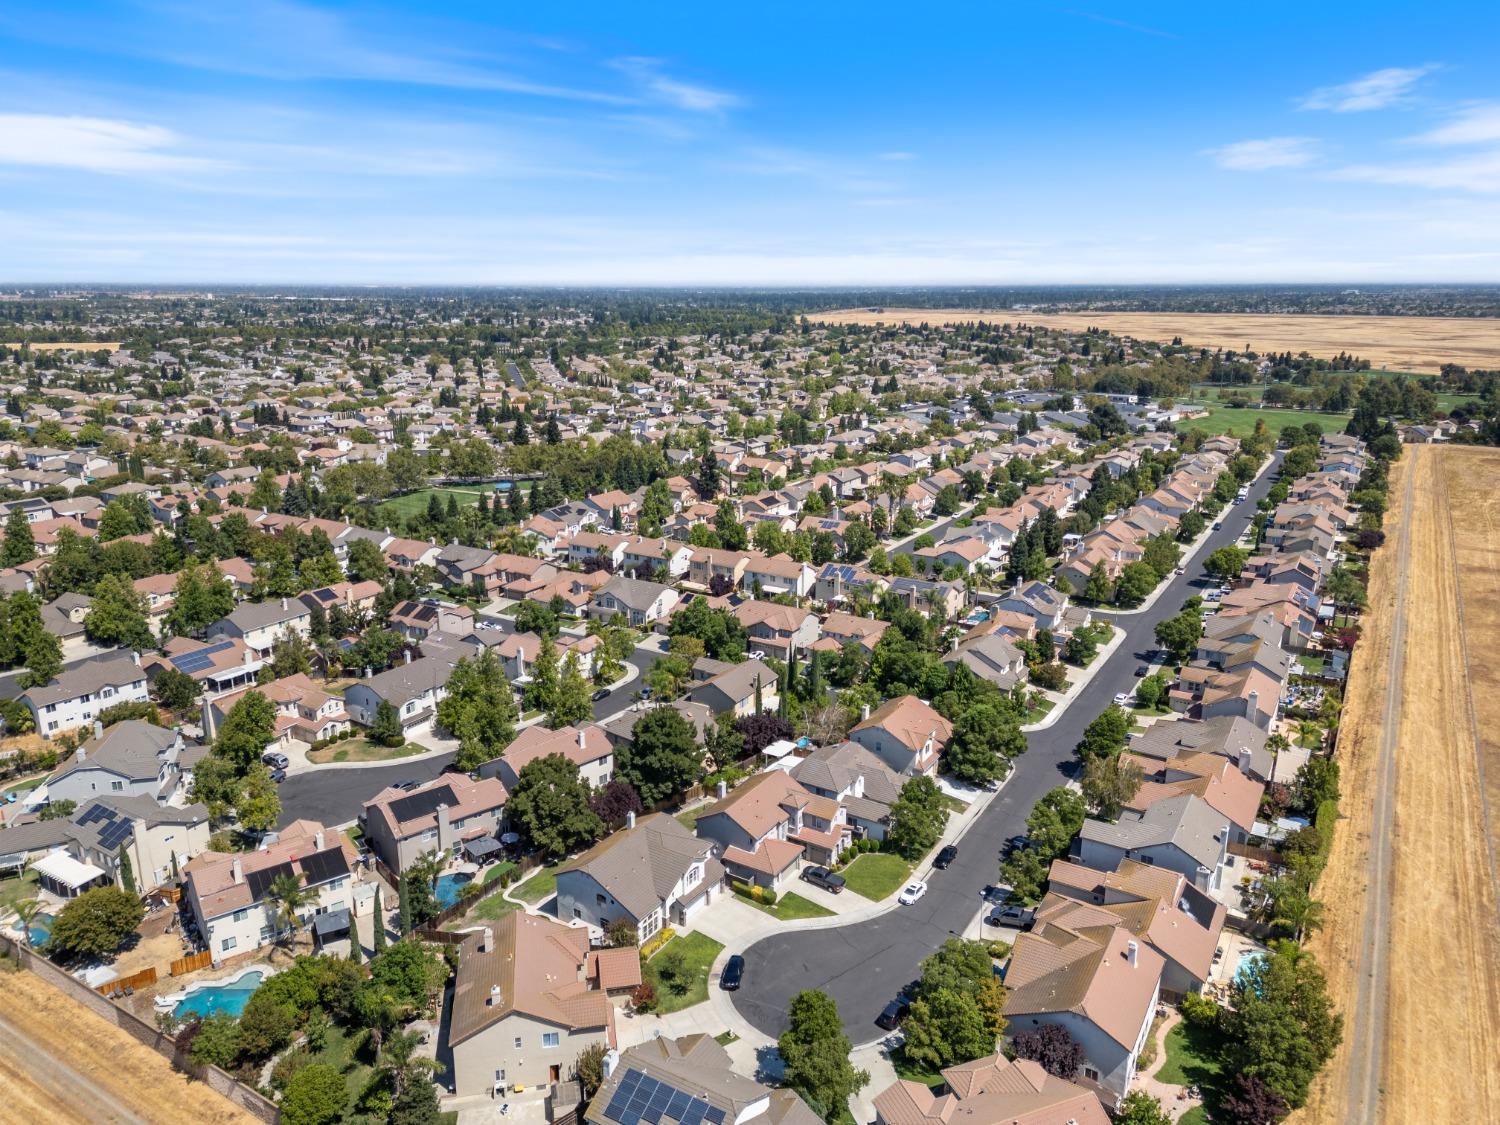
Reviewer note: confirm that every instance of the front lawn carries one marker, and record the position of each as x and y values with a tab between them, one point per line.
912	1072
539	886
698	952
363	750
877	875
790	906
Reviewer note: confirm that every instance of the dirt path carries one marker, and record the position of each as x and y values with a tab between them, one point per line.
62	1065
1412	941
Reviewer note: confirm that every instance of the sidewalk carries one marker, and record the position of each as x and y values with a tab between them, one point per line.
1082	682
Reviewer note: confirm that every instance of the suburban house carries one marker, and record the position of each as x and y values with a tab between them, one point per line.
742	689
991	657
1097	981
130	759
906	734
1183	834
1232	737
261	624
775	628
1041	602
641	603
444	815
990	1091
767	826
73	697
860	781
229	892
587	747
414	689
841	628
304	711
650	874
530	996
217	666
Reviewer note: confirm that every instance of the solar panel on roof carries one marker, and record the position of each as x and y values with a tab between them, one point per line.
324	866
421	804
678	1103
260	881
198	660
715	1115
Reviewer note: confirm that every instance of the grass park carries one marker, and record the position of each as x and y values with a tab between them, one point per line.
1239	422
415	503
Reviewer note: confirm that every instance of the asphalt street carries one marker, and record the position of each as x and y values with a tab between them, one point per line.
336	796
863	965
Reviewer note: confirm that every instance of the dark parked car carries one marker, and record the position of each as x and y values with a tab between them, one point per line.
734	972
278	776
822	877
602	693
407	786
1013	915
275	761
891	1015
995	894
1143	671
945	857
1015	844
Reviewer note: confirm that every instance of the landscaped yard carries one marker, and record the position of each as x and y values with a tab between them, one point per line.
877	875
16	889
790	906
492	907
911	1072
26	786
539	886
363	750
698	952
1192	1060
496	870
689	819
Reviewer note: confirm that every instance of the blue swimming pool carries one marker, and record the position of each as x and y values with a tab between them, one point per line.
1246	965
230	997
449	887
41	930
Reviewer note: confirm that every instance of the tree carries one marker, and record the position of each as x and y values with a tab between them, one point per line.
42	650
1180	635
386	729
589	1068
290	655
1191	527
1345	590
663	757
571	704
1140	1108
1050	828
200	597
1051	1045
1105	735
96	922
1250	1102
918	818
550	806
20	545
258	804
1136	582
246	731
1099	589
366	563
957	1014
316	1095
723	637
534	617
479	710
1281	1027
1150	691
417	1103
1226	563
58	810
1317	781
541	693
214	1041
815	1052
1162	555
175	690
615	802
756	733
985	741
1109	783
289	898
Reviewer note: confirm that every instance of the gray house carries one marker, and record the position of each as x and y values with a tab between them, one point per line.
1182	834
130	759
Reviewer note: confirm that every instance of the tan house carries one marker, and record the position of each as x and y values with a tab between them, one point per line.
990	1091
451	810
587	747
906	734
769	824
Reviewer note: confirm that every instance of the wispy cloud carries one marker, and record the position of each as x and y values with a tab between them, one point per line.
647	73
94	144
1478	124
898	156
1479	174
1266	153
1379	89
1095	17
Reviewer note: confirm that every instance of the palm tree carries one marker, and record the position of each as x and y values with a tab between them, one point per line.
399	1059
27	910
289	896
1277	743
1310	733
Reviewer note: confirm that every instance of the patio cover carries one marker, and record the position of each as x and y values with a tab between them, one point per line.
66	871
331	926
482	847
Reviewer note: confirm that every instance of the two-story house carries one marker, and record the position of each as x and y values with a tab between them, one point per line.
72	698
769	825
261	624
587	747
443	815
906	734
638	602
130	759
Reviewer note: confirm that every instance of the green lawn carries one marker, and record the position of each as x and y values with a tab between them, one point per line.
539	886
877	875
14	889
912	1072
1195	1116
345	1051
789	907
497	870
1192	1058
415	503
724	1038
494	906
689	819
1240	422
24	786
363	750
699	952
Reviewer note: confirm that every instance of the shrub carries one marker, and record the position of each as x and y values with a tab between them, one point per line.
643	997
1200	1011
666	934
768	896
758	893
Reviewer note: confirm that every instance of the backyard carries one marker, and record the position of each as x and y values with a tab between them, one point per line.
539	886
877	875
693	954
1193	1060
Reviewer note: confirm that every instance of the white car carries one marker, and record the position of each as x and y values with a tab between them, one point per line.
757	655
1122	699
912	892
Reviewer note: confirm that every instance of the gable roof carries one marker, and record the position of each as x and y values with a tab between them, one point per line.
641	866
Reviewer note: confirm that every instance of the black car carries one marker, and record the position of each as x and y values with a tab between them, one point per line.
891	1015
406	786
1142	671
1015	844
278	776
734	972
822	877
602	693
945	857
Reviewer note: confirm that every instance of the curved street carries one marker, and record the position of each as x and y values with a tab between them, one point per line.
864	964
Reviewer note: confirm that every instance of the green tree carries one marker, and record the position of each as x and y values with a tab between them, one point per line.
1140	1108
1099	588
366	563
175	690
571	704
43	660
541	692
289	899
1162	555
1105	735
201	596
216	1041
1226	563
246	731
815	1052
1180	635
1109	783
479	710
723	637
96	922
258	804
958	1012
20	545
58	810
386	730
1053	822
663	757
1137	580
1317	781
127	870
918	818
316	1095
1282	1027
985	741
1152	690
550	806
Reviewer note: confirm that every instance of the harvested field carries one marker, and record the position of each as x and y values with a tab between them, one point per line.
69	346
1412	939
63	1065
1402	343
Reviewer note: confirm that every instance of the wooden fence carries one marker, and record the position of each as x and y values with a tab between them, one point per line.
191	963
134	980
1248	851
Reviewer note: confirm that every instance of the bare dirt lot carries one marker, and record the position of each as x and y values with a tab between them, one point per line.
62	1065
1398	343
1412	938
77	345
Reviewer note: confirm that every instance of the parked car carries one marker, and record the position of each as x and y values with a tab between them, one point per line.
1015	844
912	892
1142	671
945	857
891	1015
1122	699
278	776
407	785
275	761
733	974
602	693
996	893
822	877
1218	525
1013	915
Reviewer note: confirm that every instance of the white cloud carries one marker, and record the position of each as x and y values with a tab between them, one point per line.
684	95
898	156
1379	89
1479	124
94	144
1479	174
1269	152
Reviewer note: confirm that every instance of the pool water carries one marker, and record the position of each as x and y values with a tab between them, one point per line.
1246	965
228	998
41	930
449	887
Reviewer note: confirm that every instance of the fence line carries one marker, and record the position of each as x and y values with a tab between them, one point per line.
191	963
144	1033
135	980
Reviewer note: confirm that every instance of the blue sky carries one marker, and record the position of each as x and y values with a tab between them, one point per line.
768	143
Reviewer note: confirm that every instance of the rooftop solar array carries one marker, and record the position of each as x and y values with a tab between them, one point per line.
201	660
113	829
639	1097
324	866
260	881
421	804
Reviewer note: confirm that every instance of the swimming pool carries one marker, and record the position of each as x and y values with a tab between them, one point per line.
1246	965
229	996
41	930
450	886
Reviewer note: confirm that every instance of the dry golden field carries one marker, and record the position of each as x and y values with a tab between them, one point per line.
76	345
1411	941
60	1064
1397	343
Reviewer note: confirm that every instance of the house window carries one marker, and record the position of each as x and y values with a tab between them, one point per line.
518	1042
599	900
241	915
116	786
551	1039
1091	1074
228	944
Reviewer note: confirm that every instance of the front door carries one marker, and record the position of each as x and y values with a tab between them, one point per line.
554	1073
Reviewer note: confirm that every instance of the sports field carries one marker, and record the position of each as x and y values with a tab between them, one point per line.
1403	343
1240	421
1411	940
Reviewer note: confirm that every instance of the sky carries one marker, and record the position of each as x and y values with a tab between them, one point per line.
277	141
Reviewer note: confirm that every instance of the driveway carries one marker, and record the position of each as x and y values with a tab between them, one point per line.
863	964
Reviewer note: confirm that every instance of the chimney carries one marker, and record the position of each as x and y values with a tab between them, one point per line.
318	840
494	997
1251	705
611	1060
864	712
487	943
283	603
723	789
406	656
98	729
583	741
237	871
1244	761
1131	949
629	820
